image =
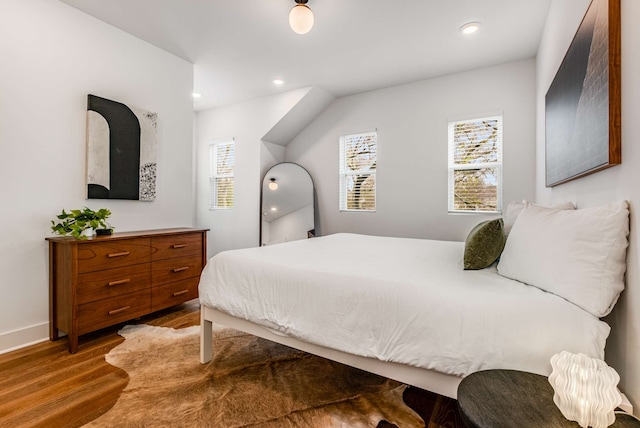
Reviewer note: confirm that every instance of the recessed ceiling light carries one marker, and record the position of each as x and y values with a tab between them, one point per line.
274	209
278	81
470	27
196	95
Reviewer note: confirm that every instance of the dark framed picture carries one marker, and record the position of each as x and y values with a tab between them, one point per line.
121	151
582	105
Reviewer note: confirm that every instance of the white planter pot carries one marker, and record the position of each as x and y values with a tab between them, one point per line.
89	233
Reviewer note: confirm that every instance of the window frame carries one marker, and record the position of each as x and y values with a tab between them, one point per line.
498	164
344	172
214	175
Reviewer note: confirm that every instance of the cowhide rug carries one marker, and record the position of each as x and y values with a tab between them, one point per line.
250	382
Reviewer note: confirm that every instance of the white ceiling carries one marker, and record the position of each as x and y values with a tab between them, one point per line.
239	46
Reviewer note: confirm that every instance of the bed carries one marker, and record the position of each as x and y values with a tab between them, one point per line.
405	308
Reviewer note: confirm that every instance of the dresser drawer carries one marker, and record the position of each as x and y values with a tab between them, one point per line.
171	270
174	293
167	247
102	313
106	255
101	284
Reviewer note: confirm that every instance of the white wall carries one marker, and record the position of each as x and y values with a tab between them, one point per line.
270	154
412	124
613	184
246	123
51	57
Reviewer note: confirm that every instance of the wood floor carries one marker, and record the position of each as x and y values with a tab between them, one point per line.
45	386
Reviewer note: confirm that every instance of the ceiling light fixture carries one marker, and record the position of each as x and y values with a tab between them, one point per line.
301	17
470	28
278	81
196	95
273	185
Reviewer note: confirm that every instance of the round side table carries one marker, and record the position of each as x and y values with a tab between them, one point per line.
511	398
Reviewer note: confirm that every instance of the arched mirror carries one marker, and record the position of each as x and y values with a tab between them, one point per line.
287	204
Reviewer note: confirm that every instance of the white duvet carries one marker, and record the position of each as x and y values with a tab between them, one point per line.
402	300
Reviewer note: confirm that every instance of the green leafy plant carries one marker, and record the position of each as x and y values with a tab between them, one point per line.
75	222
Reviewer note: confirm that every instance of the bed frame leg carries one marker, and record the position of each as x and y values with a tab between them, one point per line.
206	338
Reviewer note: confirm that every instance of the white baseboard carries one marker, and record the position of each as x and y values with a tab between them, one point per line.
626	404
17	339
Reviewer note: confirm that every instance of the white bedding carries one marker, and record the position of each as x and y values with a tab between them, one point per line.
402	300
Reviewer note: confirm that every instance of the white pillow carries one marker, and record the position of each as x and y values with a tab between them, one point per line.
579	255
515	208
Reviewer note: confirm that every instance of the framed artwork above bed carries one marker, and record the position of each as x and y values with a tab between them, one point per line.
582	105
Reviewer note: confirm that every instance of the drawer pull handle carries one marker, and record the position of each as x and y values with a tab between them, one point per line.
179	293
124	253
121	281
180	269
179	245
117	311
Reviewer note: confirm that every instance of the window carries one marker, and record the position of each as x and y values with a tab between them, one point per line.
475	165
358	157
222	157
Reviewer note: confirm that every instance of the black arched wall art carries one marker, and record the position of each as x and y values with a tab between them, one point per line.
121	151
582	105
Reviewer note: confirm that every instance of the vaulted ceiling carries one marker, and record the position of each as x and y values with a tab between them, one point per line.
239	47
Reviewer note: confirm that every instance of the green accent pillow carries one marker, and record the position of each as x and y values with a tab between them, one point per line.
484	244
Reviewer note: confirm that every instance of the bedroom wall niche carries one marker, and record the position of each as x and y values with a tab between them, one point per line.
287	208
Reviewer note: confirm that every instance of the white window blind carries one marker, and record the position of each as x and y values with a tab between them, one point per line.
358	159
222	157
475	165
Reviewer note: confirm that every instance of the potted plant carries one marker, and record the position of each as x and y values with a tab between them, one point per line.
81	224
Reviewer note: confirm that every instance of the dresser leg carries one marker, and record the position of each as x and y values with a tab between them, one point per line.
73	343
53	315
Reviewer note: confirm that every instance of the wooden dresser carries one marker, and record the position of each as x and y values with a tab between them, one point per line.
95	283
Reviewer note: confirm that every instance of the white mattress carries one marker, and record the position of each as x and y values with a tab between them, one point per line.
402	300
